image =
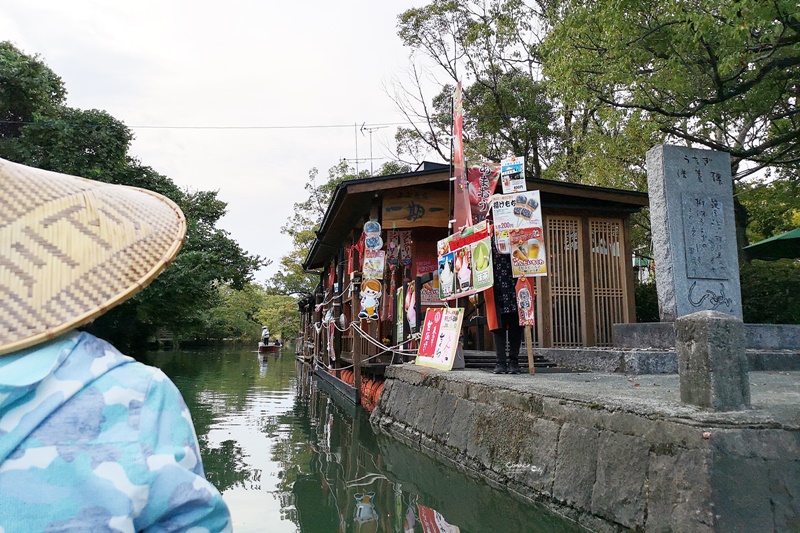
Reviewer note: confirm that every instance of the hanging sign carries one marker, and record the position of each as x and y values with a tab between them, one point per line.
482	182
527	252
399	313
439	340
429	292
370	298
512	175
514	211
465	262
525	301
374	262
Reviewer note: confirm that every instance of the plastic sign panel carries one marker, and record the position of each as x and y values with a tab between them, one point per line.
514	211
482	181
512	175
527	252
525	300
465	262
439	340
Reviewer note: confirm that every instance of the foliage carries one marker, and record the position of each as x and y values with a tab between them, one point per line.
721	74
28	89
279	312
93	144
646	302
771	292
773	207
291	279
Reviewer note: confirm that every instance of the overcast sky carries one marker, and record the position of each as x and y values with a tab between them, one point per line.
184	75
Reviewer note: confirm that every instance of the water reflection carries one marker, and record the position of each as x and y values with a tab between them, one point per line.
288	456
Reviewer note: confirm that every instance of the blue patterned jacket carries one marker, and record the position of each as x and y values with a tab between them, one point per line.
91	440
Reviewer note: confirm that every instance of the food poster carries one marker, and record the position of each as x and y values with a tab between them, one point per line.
514	211
512	175
410	306
482	272
399	314
429	293
439	340
527	253
456	262
447	279
525	301
481	181
374	263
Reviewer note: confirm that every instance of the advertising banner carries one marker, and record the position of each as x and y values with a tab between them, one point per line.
525	301
439	340
461	208
465	262
527	253
429	293
514	211
482	180
512	175
374	262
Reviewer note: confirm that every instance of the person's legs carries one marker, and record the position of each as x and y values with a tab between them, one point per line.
500	350
514	343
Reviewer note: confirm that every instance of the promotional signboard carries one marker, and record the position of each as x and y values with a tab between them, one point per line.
439	340
518	231
482	181
465	262
512	175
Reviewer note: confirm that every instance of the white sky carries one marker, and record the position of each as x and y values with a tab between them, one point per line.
237	63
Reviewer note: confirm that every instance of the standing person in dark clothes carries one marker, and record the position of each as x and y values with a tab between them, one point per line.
502	314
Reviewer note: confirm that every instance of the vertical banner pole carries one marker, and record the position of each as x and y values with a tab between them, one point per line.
529	347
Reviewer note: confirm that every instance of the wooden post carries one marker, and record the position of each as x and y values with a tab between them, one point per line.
529	347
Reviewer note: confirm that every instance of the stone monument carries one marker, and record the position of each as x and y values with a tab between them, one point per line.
697	272
694	232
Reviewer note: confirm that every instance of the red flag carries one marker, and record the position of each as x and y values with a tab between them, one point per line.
461	207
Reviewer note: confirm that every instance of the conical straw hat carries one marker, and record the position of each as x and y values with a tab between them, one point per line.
72	248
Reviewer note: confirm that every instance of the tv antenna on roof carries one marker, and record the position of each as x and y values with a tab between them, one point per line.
370	130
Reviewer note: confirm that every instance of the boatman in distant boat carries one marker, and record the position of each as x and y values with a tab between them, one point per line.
90	439
265	334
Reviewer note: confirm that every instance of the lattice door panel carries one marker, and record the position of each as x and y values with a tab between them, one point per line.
608	278
565	275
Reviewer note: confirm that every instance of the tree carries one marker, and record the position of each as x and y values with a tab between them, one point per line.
42	132
719	74
509	106
291	279
28	89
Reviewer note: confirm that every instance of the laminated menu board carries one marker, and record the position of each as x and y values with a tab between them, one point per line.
465	262
439	340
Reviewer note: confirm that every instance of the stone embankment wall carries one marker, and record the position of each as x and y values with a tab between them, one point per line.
606	463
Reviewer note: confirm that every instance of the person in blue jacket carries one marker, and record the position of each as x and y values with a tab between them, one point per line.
90	439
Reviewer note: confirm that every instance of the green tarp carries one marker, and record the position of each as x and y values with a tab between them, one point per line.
786	245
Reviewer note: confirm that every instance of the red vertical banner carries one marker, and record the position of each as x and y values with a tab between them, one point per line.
461	206
482	181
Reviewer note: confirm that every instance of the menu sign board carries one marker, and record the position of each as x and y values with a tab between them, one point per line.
465	262
439	340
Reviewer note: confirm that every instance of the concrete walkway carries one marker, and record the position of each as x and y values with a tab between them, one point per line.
775	396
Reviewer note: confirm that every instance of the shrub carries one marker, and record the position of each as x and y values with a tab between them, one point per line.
646	302
770	291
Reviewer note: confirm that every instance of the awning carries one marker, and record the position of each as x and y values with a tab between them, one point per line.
784	246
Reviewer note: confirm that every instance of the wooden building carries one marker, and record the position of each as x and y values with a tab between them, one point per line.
589	285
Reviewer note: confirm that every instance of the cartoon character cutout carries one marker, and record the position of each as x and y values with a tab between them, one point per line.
370	295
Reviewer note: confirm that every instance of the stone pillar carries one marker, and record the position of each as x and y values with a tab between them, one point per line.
694	231
712	362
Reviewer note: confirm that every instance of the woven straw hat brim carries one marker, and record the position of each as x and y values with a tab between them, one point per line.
72	248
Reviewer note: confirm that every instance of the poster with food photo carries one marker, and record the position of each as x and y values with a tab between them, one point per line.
482	273
527	253
514	211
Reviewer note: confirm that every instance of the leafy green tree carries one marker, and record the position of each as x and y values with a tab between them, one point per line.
291	279
509	106
40	131
716	73
28	89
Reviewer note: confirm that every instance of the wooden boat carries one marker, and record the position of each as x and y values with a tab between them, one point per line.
269	347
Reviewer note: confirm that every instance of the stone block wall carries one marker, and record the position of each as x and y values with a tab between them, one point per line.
606	468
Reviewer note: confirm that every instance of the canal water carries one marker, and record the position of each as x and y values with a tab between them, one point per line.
289	457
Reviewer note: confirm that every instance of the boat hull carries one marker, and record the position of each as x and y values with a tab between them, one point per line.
268	348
